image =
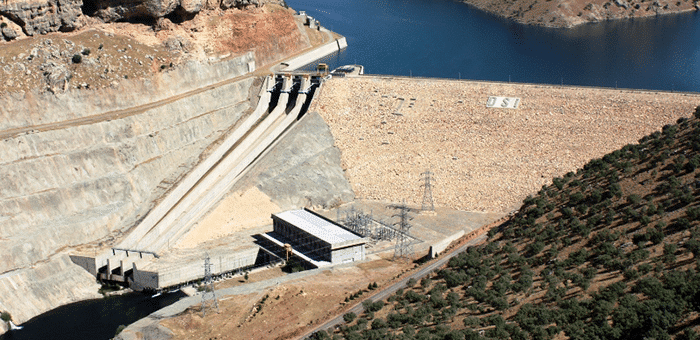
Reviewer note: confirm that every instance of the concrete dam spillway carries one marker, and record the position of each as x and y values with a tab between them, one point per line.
89	171
136	260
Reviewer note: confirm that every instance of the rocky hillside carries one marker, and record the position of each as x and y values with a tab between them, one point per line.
32	17
568	13
101	55
608	252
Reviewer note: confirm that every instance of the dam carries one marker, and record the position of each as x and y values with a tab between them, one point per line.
106	178
135	260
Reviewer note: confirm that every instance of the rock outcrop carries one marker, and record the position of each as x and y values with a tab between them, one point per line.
113	10
43	16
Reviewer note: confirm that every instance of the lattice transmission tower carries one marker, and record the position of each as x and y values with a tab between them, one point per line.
427	191
404	248
209	295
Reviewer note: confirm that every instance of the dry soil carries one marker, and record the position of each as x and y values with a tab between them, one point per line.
391	130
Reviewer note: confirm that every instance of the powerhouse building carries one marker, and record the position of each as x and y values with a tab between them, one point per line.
318	237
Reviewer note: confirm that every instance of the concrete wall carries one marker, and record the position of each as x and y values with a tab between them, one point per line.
182	208
79	184
348	254
440	246
303	169
135	238
157	275
322	51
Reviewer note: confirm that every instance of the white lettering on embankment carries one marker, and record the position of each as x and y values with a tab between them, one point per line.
503	102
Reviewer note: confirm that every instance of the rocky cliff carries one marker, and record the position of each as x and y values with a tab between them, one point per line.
569	13
32	17
40	16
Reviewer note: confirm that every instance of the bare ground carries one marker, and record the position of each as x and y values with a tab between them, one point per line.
235	213
287	309
391	130
110	52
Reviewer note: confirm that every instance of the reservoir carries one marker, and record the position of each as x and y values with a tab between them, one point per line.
448	39
92	319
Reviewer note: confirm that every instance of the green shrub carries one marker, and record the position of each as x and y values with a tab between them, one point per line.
77	58
320	335
85	52
655	235
634	199
693	246
688	334
5	316
669	253
349	317
630	274
693	213
645	268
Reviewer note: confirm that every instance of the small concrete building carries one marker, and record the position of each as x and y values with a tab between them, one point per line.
318	237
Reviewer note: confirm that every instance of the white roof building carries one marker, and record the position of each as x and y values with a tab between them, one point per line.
318	236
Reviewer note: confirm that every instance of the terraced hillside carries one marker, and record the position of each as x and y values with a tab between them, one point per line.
607	252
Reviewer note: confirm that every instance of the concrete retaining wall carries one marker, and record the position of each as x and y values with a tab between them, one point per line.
203	192
76	185
155	275
440	246
303	168
310	57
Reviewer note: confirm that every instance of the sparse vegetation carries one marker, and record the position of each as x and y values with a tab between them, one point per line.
608	252
5	316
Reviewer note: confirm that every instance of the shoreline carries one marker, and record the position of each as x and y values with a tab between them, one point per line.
572	21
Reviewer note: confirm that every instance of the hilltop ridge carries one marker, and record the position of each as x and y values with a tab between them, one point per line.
570	13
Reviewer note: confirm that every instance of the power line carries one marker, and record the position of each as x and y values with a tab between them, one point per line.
427	191
209	295
404	248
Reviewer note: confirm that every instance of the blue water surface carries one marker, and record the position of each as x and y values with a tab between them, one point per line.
448	39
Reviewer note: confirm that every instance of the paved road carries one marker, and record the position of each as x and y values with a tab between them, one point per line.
388	291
